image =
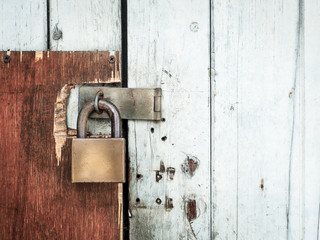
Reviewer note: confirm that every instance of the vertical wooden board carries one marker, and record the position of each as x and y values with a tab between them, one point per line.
168	47
258	120
86	25
38	200
312	121
23	25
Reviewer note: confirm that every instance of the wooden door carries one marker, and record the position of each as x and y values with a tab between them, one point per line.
38	200
236	155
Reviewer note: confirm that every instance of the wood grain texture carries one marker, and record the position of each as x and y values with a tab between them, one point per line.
312	120
85	25
168	47
259	120
38	200
23	25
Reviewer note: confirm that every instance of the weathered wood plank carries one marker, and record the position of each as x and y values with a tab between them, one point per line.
38	200
168	47
89	25
23	25
312	121
258	120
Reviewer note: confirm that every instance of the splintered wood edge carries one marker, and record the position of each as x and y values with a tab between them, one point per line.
60	120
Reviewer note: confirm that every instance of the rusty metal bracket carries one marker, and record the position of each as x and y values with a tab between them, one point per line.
133	103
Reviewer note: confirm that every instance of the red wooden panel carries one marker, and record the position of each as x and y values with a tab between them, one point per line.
38	200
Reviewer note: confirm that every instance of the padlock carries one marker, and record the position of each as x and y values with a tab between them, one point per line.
98	159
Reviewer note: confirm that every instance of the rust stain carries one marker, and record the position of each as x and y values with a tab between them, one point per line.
190	165
191	209
60	120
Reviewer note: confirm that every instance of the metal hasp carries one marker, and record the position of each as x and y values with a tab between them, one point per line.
98	159
133	103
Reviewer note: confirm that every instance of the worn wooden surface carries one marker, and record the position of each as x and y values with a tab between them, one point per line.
23	25
265	158
38	200
264	117
311	218
168	47
256	128
87	26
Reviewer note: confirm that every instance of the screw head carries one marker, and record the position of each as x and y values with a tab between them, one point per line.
112	59
6	58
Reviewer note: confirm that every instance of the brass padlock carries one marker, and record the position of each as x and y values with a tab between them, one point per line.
98	159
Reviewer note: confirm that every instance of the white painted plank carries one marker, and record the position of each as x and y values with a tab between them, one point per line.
258	120
85	26
312	121
23	25
168	47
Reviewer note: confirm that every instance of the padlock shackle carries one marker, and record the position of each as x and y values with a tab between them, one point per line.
105	105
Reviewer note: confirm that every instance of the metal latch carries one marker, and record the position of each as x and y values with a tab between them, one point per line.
133	103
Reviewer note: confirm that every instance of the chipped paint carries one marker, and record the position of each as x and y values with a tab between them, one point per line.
191	209
60	121
38	56
190	165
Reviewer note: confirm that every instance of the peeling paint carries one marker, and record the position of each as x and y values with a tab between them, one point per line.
191	209
38	56
60	121
190	165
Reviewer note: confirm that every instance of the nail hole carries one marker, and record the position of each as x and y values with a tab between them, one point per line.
139	176
138	200
163	119
164	138
158	200
152	130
